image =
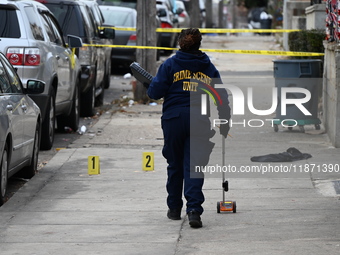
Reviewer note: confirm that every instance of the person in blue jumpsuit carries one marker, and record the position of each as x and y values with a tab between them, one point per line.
186	130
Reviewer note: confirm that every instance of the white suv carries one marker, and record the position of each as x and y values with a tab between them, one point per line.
32	40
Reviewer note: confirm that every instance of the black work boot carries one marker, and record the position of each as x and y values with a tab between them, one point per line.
174	214
194	219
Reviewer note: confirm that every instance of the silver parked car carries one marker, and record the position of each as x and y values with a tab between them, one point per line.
20	126
77	18
104	52
122	17
183	16
168	20
33	42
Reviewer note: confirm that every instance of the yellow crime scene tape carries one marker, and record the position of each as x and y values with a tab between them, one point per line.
212	30
249	52
218	30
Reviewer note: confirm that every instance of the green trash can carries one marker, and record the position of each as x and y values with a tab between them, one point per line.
299	73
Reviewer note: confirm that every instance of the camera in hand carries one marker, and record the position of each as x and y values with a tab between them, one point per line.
141	74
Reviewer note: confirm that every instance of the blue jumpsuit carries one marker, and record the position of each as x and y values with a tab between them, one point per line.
186	131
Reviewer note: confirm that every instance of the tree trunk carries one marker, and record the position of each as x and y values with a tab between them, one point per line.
194	13
209	14
146	36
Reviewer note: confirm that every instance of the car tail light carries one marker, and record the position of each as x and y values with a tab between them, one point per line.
166	25
15	56
32	57
132	39
23	56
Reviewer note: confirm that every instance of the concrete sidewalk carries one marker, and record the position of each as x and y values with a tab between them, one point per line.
63	210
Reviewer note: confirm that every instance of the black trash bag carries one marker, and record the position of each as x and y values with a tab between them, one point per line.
292	154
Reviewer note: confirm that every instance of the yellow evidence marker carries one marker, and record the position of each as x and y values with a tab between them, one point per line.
93	165
148	161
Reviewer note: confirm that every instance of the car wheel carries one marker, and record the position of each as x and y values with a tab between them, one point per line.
29	171
3	174
87	102
71	120
100	98
107	78
48	125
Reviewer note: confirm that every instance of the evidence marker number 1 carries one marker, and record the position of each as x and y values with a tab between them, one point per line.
93	165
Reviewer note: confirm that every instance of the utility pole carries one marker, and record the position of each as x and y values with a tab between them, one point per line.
233	17
146	36
223	13
194	13
209	14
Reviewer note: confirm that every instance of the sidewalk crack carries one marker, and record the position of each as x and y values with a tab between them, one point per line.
179	236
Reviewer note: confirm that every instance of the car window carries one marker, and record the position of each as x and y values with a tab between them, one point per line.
118	18
73	24
56	31
9	83
68	18
9	25
60	13
4	82
125	3
98	15
52	38
52	30
34	23
87	22
166	3
94	31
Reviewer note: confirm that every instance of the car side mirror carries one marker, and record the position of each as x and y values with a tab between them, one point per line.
74	41
35	87
179	11
161	13
107	33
